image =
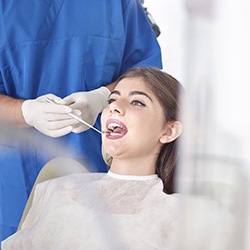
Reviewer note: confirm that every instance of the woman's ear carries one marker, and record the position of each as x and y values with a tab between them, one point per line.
172	131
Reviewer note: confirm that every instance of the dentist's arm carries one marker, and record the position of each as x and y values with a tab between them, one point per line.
11	112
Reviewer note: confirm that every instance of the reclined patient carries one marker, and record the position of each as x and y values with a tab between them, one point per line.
133	206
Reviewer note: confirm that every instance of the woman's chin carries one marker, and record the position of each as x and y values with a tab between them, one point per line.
113	152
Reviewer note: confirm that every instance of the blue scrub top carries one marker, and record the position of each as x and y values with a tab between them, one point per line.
62	47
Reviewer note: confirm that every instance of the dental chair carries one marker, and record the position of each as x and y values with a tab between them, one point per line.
57	167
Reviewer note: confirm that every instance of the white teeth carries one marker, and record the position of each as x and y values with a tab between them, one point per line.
112	126
114	133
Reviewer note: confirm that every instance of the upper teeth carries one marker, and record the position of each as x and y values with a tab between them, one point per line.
112	126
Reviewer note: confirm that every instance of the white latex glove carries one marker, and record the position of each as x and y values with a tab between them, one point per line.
90	104
49	118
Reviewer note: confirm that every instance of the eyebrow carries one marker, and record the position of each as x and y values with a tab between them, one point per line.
135	92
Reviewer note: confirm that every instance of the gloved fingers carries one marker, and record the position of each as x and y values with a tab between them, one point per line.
50	119
83	106
59	117
57	99
60	124
76	112
45	107
90	103
70	99
55	108
56	133
77	100
56	128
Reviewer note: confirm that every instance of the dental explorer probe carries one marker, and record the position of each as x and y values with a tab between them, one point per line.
50	100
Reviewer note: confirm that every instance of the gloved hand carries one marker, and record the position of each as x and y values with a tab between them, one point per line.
49	118
90	104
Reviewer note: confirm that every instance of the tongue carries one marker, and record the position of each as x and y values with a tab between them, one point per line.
118	130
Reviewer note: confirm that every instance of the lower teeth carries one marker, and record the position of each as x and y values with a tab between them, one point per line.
112	133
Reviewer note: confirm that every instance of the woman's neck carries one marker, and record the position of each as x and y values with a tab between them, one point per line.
132	167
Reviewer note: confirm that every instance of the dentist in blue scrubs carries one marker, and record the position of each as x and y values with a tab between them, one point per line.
71	51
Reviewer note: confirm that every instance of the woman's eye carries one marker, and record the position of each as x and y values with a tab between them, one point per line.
111	100
138	103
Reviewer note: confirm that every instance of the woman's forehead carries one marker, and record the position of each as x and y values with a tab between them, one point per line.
131	84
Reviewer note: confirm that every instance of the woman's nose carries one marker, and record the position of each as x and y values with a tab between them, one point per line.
118	107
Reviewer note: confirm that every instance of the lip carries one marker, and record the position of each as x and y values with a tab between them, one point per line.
114	135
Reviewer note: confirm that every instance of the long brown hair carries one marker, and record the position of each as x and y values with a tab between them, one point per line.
167	90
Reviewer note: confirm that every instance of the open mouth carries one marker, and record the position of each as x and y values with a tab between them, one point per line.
115	128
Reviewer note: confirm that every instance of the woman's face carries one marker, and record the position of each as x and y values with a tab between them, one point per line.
135	120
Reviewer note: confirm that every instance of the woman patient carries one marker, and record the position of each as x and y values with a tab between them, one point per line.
133	205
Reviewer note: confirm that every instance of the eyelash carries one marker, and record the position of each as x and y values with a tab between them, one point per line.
111	100
134	102
137	103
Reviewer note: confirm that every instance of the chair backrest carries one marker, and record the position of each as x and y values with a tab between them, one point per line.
57	167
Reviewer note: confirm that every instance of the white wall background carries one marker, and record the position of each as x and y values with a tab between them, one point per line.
206	46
